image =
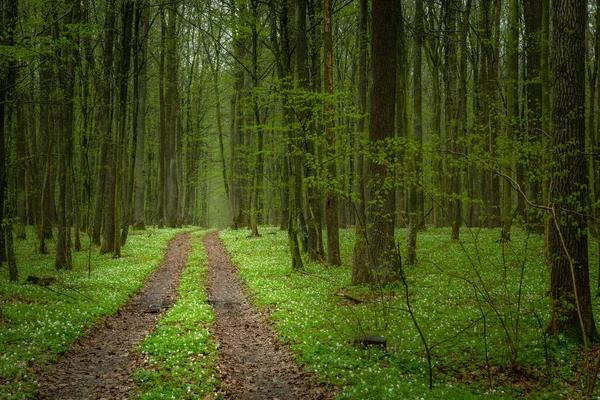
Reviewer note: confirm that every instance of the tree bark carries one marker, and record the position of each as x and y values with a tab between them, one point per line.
512	114
8	23
381	254
173	123
67	84
416	161
569	277
141	78
105	185
360	269
331	210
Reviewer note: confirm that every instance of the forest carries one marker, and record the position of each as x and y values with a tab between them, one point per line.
387	147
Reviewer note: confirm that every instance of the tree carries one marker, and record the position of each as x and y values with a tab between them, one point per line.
512	113
568	244
66	78
382	257
360	270
415	196
333	241
8	25
140	61
104	185
173	121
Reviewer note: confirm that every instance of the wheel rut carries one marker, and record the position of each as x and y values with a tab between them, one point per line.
100	366
254	365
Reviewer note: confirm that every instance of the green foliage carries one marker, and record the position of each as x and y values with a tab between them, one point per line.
481	304
180	355
38	324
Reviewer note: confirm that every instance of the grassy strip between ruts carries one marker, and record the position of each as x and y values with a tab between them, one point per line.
181	355
37	324
481	305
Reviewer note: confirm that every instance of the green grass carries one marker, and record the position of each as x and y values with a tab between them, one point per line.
181	356
495	348
39	324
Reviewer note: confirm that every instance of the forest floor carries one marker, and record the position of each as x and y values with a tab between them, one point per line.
100	366
254	365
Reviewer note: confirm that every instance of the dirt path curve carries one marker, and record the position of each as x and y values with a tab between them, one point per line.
253	363
100	366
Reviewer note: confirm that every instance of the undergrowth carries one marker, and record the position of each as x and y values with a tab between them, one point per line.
39	323
482	306
180	355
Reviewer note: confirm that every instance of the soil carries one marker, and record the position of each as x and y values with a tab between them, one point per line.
254	365
101	364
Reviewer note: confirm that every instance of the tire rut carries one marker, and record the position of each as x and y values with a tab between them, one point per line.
254	365
100	366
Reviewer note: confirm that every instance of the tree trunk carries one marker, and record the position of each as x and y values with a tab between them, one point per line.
532	11
451	112
67	84
416	162
381	254
569	277
331	210
105	184
141	81
257	183
512	114
434	63
360	270
8	23
172	122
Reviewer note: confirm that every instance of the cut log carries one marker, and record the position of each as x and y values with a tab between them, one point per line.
371	341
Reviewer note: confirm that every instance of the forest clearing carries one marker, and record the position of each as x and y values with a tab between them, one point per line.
480	305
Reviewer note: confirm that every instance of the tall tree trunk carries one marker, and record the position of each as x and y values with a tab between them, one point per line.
331	211
236	197
259	165
117	176
360	270
105	185
512	114
416	161
173	122
21	172
306	155
141	82
8	23
434	62
451	112
47	77
122	205
569	276
67	84
381	254
532	11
